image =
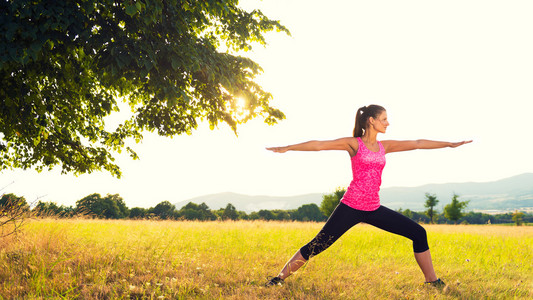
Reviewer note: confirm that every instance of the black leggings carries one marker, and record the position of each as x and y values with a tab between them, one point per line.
345	217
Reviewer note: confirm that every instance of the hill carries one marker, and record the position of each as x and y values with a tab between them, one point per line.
253	203
506	194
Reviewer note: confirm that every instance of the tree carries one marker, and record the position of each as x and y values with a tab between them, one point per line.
230	213
518	218
109	207
64	65
408	213
413	215
206	213
190	214
193	211
12	201
138	213
309	212
254	216
431	201
115	207
89	205
13	212
330	201
281	215
47	209
478	218
165	210
265	214
454	210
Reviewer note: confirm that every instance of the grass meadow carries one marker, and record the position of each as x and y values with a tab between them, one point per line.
97	259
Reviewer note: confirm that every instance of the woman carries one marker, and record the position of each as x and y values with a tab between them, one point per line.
361	201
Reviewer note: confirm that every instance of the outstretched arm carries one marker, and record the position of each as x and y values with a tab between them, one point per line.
397	146
348	144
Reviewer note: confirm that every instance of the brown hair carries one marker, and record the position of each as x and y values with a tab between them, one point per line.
362	116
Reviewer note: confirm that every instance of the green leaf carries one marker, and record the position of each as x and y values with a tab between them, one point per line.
119	62
10	32
175	63
36	47
90	8
172	101
185	96
36	141
12	54
131	10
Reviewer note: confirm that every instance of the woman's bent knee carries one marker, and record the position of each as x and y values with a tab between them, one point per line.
420	240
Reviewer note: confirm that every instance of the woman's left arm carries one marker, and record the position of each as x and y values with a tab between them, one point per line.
397	146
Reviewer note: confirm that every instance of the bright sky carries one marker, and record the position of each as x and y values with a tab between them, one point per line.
444	70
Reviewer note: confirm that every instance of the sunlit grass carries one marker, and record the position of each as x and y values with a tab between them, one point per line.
165	259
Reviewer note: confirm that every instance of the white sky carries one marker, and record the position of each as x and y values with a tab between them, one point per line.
444	70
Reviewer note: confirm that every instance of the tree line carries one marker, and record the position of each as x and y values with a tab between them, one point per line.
112	206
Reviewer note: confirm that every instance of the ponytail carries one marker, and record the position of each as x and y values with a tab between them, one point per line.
358	129
362	116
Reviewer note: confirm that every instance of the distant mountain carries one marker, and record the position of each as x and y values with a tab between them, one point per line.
510	193
253	203
506	194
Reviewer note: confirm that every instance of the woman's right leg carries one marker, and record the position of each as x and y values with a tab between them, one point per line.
342	219
397	223
426	265
295	263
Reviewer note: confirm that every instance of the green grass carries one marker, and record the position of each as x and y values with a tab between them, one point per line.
94	259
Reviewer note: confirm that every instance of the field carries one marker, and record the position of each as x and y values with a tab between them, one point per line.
95	259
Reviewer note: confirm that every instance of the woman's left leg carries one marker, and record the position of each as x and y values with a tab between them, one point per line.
424	262
342	219
394	222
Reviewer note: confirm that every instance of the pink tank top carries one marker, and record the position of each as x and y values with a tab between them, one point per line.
367	166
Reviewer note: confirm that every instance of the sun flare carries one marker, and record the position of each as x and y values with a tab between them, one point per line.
240	104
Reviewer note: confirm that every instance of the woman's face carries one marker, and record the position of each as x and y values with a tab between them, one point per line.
380	123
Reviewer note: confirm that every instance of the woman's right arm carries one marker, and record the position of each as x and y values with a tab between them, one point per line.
348	144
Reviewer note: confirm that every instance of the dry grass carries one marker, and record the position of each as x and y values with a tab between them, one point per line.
94	259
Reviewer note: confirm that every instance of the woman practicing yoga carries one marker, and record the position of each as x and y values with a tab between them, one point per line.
361	201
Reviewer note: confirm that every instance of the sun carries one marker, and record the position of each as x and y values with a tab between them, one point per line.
238	109
240	103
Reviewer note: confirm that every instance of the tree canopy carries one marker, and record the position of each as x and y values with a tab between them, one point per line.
165	210
309	212
109	207
455	210
230	212
431	201
518	217
330	201
65	66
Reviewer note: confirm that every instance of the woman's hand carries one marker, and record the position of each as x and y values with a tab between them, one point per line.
454	145
278	149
